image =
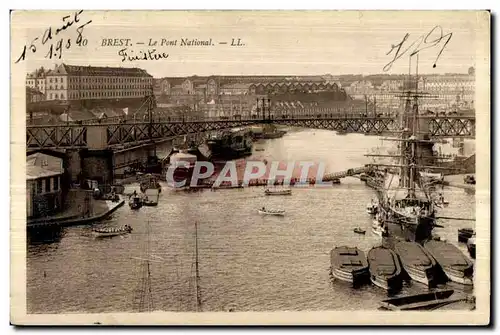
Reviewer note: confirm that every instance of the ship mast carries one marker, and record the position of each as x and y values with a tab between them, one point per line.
197	273
151	107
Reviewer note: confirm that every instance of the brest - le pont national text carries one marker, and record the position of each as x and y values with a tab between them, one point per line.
156	49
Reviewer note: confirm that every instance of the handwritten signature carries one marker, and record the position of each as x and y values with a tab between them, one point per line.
58	45
421	43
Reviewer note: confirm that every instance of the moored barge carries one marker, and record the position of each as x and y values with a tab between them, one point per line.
471	246
418	264
464	234
349	264
385	269
457	267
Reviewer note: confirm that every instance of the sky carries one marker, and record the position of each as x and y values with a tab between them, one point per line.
275	43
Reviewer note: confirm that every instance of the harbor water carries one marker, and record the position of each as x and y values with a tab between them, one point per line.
247	261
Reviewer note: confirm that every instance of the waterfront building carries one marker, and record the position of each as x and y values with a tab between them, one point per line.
211	86
44	194
34	95
449	91
359	89
69	82
37	80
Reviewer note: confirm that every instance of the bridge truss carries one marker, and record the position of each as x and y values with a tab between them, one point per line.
118	134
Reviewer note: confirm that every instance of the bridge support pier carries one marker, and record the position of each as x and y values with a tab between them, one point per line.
74	165
97	165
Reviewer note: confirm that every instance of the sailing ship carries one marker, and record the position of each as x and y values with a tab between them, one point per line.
406	203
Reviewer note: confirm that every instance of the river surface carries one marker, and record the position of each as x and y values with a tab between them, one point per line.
247	262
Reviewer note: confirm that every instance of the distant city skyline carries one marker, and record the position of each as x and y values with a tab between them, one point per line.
276	43
268	74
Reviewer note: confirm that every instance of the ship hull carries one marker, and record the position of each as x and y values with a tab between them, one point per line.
231	145
408	228
385	269
349	265
228	153
418	264
356	278
456	266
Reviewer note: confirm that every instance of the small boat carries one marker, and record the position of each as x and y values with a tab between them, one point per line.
149	182
464	234
278	212
278	192
416	261
358	230
135	202
109	232
378	228
259	149
349	264
336	181
385	269
151	197
471	246
372	208
457	267
424	301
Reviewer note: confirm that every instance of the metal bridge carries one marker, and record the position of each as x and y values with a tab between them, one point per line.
112	134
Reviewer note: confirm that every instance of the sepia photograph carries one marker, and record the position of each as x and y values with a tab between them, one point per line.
250	167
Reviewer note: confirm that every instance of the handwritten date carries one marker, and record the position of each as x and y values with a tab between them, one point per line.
57	45
430	40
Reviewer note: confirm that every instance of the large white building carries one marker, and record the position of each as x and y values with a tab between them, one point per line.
36	80
69	82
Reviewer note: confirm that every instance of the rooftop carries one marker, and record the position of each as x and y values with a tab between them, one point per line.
34	172
106	71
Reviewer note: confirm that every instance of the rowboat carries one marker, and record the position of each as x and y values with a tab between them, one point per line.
455	264
358	230
278	212
278	192
349	264
385	270
135	202
424	301
109	232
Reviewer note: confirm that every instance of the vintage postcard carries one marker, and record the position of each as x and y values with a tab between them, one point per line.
250	167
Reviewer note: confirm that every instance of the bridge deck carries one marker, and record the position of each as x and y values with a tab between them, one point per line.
108	135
